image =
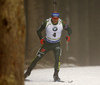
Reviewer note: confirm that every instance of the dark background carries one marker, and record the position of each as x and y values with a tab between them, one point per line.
83	16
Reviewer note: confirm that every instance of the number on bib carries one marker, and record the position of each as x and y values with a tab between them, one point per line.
54	34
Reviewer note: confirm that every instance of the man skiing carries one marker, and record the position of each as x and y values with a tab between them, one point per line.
53	29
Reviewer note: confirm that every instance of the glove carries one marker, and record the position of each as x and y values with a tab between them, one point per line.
42	41
68	38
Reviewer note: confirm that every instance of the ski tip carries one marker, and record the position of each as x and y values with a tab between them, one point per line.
70	81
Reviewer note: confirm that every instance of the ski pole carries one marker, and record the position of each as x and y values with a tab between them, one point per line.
55	3
67	46
34	47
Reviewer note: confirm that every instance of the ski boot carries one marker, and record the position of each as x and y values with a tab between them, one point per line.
56	77
27	73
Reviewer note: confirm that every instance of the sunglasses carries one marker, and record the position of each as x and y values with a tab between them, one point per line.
55	18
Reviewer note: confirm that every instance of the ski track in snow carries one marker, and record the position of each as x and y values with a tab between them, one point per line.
71	76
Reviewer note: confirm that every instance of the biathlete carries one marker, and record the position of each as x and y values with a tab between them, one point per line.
53	29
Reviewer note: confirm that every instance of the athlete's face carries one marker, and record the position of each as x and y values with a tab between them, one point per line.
55	19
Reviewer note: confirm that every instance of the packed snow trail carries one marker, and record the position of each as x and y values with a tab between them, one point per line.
71	76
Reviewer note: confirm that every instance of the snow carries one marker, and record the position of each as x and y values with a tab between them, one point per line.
89	75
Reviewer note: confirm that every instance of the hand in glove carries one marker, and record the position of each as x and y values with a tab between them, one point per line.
68	38
42	41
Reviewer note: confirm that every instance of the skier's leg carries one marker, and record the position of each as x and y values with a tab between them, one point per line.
42	51
57	55
32	65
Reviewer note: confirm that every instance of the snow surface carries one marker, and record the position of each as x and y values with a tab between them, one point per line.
71	76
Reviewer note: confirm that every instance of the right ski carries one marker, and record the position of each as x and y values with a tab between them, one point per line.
59	81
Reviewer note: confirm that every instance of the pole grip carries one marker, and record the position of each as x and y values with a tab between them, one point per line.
54	2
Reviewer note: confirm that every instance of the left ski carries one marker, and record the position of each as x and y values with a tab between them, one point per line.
28	80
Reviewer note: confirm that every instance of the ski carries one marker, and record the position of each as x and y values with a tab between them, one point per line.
59	81
28	80
64	81
70	81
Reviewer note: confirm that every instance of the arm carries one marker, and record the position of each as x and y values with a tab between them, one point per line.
40	29
67	28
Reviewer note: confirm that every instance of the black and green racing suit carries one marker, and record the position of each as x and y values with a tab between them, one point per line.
47	46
